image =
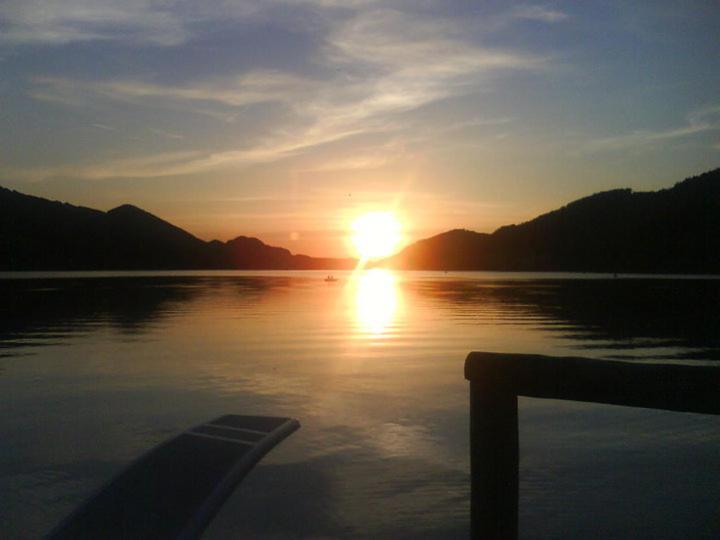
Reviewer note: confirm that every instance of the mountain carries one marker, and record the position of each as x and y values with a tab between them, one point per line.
38	234
675	230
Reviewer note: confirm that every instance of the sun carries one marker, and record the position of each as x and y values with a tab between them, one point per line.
376	234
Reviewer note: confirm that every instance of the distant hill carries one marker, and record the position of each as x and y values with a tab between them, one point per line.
38	234
675	230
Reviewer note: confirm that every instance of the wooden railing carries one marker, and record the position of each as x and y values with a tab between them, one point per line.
496	380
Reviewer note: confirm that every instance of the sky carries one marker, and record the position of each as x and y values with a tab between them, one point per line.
287	119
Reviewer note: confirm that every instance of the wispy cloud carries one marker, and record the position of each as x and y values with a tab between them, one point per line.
155	22
165	23
259	86
134	167
698	121
168	134
538	13
382	63
45	21
365	160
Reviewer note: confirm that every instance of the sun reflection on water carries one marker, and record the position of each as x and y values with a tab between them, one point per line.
376	300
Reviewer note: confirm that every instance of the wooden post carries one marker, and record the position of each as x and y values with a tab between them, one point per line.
497	379
494	460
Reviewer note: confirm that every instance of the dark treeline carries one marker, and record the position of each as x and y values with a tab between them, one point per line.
674	230
38	234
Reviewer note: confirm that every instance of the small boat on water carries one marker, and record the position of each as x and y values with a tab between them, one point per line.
330	277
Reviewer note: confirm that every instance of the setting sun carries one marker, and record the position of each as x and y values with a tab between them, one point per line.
376	234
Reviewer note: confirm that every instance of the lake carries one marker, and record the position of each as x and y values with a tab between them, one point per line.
95	368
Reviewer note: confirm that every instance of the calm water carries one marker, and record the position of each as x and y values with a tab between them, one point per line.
97	368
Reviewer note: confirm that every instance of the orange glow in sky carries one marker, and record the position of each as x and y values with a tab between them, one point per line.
376	234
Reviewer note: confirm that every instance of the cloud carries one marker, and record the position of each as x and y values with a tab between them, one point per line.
698	121
362	161
171	22
538	13
158	22
133	167
394	40
168	134
377	65
46	21
260	86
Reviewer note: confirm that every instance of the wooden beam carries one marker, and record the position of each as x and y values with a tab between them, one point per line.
497	379
670	387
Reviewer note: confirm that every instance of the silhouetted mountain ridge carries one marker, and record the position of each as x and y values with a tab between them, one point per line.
674	230
670	230
38	234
